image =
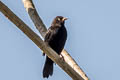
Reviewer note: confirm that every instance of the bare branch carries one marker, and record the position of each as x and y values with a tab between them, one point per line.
39	42
34	17
28	4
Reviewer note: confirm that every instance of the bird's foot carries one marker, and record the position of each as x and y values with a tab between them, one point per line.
62	57
43	54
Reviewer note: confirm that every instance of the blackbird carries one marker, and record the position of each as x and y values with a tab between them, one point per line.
55	37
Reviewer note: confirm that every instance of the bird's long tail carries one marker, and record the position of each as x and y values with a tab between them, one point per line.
48	68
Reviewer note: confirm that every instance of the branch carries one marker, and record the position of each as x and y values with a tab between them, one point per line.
28	4
39	42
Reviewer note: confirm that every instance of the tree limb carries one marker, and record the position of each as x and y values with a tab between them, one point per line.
38	41
30	8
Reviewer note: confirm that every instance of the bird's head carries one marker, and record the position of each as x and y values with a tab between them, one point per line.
58	21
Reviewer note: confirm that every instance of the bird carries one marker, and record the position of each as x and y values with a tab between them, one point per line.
55	37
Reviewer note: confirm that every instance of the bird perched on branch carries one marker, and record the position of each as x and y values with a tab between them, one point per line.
55	37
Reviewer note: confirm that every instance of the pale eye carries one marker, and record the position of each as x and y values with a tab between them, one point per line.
58	19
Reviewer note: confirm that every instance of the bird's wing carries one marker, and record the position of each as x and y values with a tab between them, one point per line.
48	37
50	34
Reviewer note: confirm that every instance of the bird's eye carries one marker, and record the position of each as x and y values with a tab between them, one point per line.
58	19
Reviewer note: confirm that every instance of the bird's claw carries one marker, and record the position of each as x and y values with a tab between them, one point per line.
62	57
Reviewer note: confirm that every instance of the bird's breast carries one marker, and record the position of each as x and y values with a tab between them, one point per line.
59	39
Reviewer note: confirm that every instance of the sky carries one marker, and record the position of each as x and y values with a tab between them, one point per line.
93	39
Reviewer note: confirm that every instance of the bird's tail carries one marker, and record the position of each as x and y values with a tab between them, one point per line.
48	68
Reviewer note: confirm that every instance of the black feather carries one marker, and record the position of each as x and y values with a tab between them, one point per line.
55	37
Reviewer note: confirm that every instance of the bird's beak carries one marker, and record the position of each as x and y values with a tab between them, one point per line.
64	19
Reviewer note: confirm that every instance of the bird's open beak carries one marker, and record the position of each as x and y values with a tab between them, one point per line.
64	19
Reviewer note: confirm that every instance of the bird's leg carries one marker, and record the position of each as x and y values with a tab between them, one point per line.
43	53
62	57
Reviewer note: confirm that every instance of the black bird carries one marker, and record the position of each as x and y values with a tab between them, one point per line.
55	37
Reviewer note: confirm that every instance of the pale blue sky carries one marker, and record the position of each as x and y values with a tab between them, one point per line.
93	39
